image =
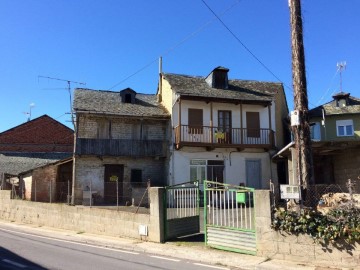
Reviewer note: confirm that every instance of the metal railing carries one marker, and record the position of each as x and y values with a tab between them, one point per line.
217	136
182	200
229	206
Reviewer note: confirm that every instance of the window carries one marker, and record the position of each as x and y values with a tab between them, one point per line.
212	170
253	124
136	177
195	121
128	98
344	128
224	127
315	131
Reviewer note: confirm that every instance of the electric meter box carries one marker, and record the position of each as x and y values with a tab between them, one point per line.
295	118
290	192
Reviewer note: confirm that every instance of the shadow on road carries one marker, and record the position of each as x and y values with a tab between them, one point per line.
11	261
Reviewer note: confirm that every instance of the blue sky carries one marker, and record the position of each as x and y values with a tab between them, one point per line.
103	43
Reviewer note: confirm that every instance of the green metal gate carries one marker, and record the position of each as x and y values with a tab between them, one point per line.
229	219
181	210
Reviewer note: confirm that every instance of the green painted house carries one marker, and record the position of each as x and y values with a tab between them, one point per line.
335	134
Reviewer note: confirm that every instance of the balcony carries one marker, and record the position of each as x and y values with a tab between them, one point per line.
212	137
120	147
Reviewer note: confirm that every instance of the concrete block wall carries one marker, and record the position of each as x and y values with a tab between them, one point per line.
300	248
86	219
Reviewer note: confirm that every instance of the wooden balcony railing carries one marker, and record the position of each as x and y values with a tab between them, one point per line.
215	137
120	147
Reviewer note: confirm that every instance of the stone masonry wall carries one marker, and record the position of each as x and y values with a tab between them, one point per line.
346	166
91	169
86	219
301	248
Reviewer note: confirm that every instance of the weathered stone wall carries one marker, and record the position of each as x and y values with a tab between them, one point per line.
346	166
86	219
122	128
301	248
91	170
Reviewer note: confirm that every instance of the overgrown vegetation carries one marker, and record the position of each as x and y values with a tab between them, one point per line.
338	224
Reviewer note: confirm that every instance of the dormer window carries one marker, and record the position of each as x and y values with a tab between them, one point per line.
341	99
218	78
128	96
342	102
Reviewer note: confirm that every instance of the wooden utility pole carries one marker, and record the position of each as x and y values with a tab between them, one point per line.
302	130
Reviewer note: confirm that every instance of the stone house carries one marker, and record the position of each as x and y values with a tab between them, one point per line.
121	144
223	130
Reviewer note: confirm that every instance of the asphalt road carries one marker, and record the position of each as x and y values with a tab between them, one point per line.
23	250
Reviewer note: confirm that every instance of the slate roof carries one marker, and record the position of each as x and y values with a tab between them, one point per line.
109	102
14	165
244	90
330	108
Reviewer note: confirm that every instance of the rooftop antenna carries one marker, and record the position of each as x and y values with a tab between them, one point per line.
29	112
341	66
69	82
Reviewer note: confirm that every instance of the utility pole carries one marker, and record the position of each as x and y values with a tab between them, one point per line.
75	132
302	129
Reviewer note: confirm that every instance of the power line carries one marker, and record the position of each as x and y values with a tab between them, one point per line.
193	34
328	88
247	49
242	44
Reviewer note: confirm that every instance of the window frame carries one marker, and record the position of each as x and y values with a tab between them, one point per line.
344	124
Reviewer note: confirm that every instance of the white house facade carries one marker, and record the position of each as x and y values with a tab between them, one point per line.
223	130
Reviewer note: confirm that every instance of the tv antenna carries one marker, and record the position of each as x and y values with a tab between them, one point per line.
341	66
29	112
69	82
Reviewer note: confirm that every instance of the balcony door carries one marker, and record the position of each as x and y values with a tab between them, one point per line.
253	124
224	127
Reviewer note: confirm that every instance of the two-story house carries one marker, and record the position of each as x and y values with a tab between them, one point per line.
223	130
335	134
121	143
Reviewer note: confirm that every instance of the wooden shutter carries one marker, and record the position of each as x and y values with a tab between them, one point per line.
253	124
195	121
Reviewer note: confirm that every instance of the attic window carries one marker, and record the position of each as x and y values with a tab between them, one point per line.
342	102
127	98
218	78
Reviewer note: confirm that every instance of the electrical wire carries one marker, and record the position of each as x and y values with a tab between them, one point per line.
328	88
248	50
172	48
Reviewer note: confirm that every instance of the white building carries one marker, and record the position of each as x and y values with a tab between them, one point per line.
223	130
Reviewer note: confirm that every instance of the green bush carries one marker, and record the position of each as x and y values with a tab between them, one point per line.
338	224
